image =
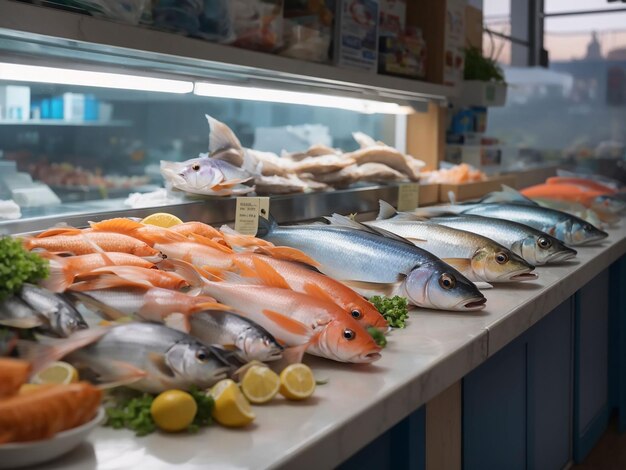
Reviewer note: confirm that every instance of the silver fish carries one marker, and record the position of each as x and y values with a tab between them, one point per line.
371	263
144	356
565	227
57	315
534	246
246	339
477	257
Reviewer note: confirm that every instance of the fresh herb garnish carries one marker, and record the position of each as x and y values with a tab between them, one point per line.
379	336
18	266
393	309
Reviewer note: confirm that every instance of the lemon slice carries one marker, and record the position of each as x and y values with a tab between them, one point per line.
173	410
57	373
260	384
162	219
297	382
231	406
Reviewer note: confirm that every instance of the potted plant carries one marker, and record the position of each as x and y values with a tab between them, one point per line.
484	83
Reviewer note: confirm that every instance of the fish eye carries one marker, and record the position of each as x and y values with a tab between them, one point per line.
195	167
502	258
349	334
202	356
355	314
587	227
544	243
447	281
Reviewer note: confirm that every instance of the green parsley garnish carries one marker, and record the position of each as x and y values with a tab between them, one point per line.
393	309
18	266
379	336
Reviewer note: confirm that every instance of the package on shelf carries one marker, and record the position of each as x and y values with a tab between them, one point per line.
180	16
467	120
356	36
479	156
392	17
308	29
14	103
128	11
403	55
73	106
257	24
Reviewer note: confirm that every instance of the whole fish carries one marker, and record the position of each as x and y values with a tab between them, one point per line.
565	227
145	303
303	322
306	279
247	340
78	242
98	279
63	270
34	306
144	356
478	258
564	192
373	264
584	182
534	246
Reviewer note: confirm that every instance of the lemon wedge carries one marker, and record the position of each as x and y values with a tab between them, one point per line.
173	410
162	219
231	406
260	384
297	382
57	373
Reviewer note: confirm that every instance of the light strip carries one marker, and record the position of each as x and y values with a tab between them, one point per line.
294	97
40	74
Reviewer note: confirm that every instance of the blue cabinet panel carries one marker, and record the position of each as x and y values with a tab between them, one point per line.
494	412
400	448
550	390
617	340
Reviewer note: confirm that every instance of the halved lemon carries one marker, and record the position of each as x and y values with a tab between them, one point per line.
297	382
260	384
162	219
57	373
231	406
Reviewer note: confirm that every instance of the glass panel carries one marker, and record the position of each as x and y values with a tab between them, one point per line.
497	16
557	6
497	48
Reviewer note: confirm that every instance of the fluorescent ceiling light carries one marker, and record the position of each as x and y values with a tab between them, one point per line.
39	74
294	97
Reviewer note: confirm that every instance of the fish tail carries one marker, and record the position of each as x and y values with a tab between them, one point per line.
236	239
61	273
46	350
266	226
186	270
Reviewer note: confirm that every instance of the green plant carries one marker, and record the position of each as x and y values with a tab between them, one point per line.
478	67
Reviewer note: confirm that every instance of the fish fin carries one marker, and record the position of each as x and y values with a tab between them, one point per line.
286	253
266	226
158	360
209	305
316	291
118	225
343	221
385	288
186	270
210	243
244	269
221	137
22	323
234	278
107	312
236	239
59	231
385	210
123	374
108	281
60	276
364	140
483	285
463	265
287	323
293	354
40	354
416	240
213	274
177	321
269	275
230	183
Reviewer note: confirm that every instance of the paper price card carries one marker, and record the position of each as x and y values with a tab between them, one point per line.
408	196
247	215
264	207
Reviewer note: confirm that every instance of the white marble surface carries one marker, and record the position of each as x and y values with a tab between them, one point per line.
359	402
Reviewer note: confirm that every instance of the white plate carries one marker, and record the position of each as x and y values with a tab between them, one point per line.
31	453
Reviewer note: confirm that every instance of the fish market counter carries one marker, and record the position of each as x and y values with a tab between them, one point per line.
478	389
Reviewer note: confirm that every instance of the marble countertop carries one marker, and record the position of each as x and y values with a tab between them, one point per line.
359	402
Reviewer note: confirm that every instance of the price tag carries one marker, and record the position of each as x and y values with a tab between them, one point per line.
247	215
408	196
264	207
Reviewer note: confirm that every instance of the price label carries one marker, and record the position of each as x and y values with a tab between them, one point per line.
247	215
408	196
264	207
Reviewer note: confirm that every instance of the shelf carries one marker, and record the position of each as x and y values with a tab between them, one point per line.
61	123
46	32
